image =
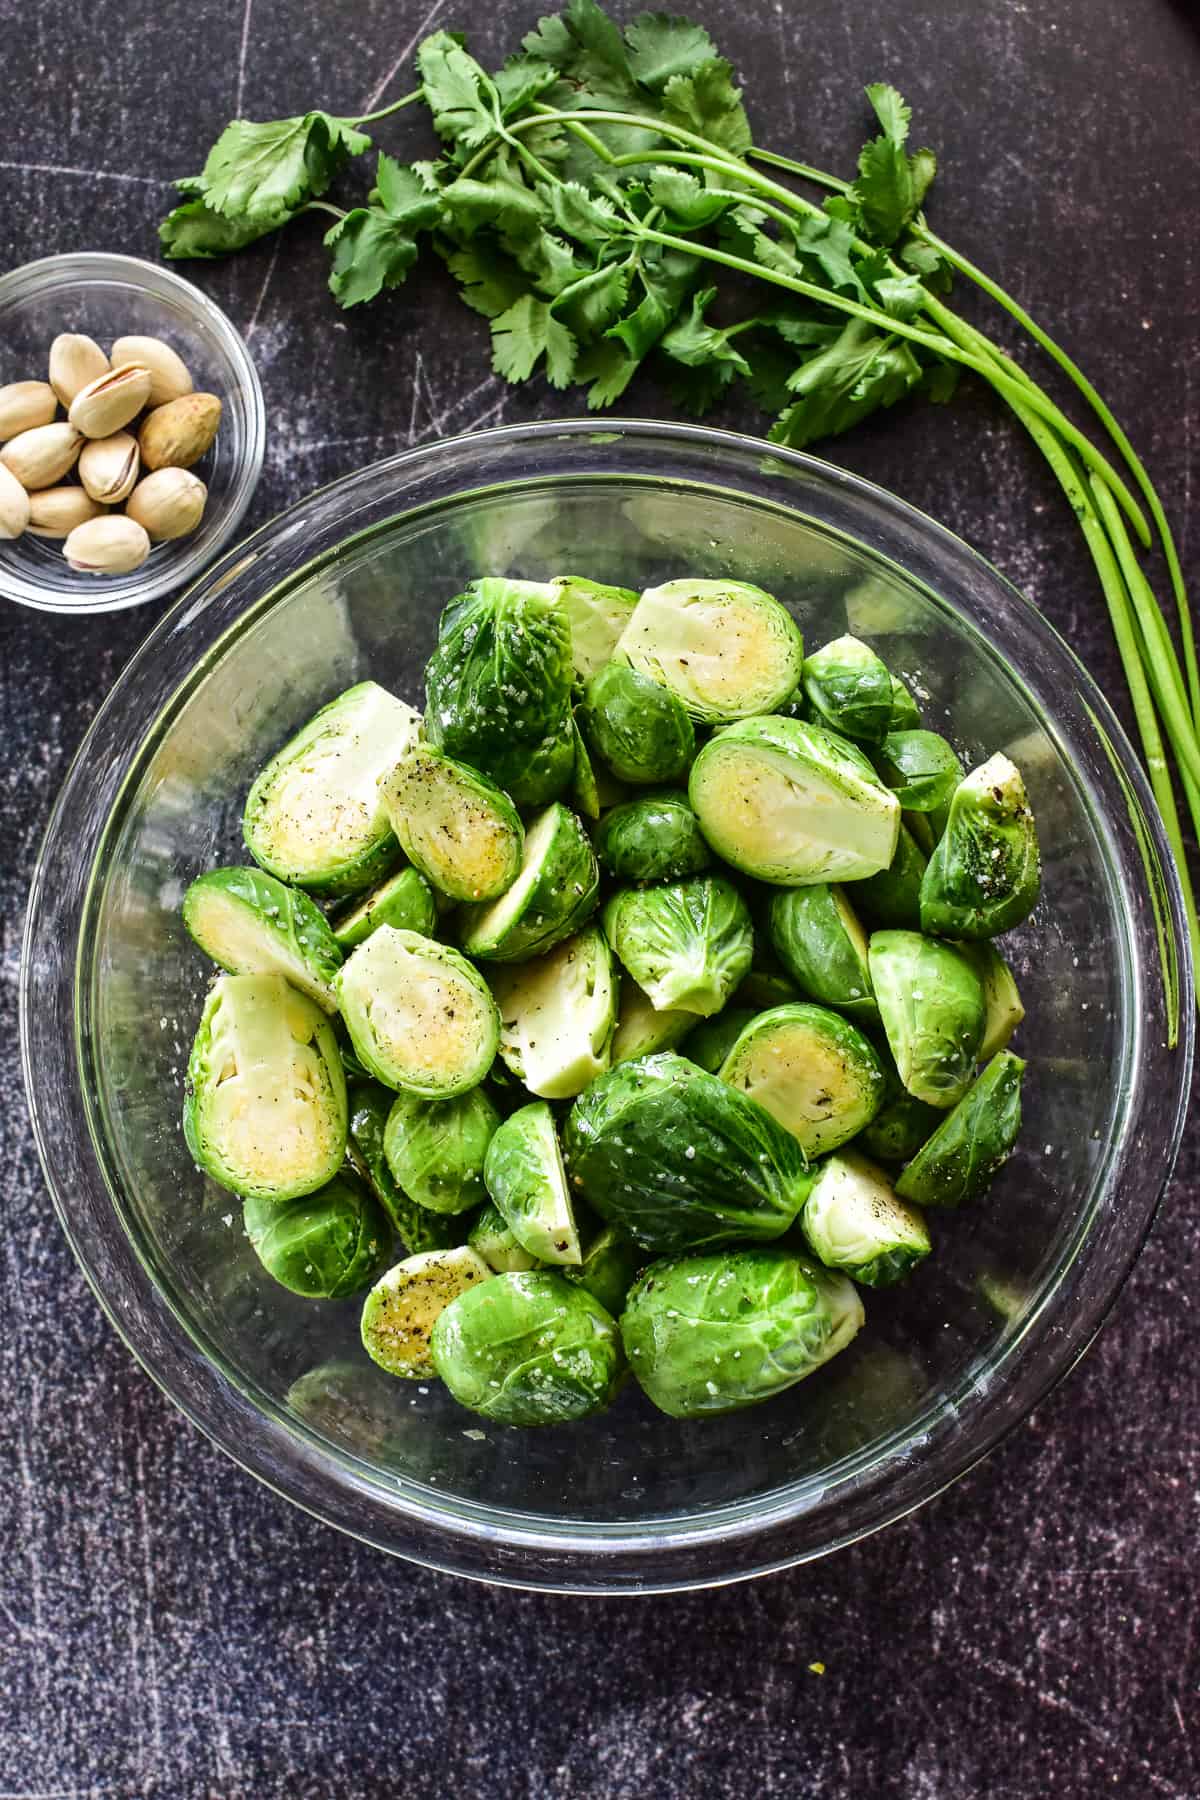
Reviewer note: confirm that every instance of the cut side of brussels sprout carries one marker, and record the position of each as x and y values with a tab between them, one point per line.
920	768
891	900
252	924
453	824
419	1016
724	648
686	944
638	728
644	1029
491	1237
1001	998
655	837
598	614
404	900
931	1004
713	1334
853	1221
818	939
324	1245
710	1043
435	1149
557	1015
553	895
314	816
401	1310
417	1228
985	872
526	1179
265	1113
811	1070
849	689
791	804
610	1266
959	1160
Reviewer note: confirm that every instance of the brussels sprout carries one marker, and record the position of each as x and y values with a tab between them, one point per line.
419	1016
585	789
677	1159
726	649
764	987
314	815
265	1107
902	1123
1001	1000
610	1266
654	837
252	924
985	873
920	767
435	1149
642	1028
491	1236
905	714
401	1310
554	894
926	829
712	1334
418	1229
821	944
892	898
526	1179
812	1070
931	1003
529	1350
404	900
971	1143
453	824
710	1043
849	689
637	727
598	615
323	1245
687	944
853	1221
792	804
557	1015
498	687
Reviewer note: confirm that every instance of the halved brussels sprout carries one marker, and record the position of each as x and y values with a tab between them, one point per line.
892	898
453	824
405	900
585	789
849	689
853	1221
959	1160
792	804
644	1029
726	649
821	944
902	1123
417	1228
557	1014
435	1149
920	768
610	1266
265	1107
710	1043
598	615
314	815
529	1350
905	714
812	1070
687	944
401	1310
712	1334
764	987
491	1236
654	837
985	872
554	894
526	1179
926	829
418	1014
1001	998
252	924
323	1245
636	726
931	1003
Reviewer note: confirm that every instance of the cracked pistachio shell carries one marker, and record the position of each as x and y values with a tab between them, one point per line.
14	505
55	512
40	457
108	467
177	435
168	503
24	405
75	360
112	545
169	376
111	401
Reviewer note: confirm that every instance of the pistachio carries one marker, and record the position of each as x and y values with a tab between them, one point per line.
110	401
112	545
177	435
24	405
14	505
169	377
55	512
40	457
169	503
108	467
75	360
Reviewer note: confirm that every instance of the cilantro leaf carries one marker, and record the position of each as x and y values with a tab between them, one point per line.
694	342
891	184
496	197
609	369
697	390
591	220
928	264
840	386
463	100
591	304
803	330
526	332
661	47
666	280
193	229
264	171
521	80
689	205
772	365
376	245
488	280
708	102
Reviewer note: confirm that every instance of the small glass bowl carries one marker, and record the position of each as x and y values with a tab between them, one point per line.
108	297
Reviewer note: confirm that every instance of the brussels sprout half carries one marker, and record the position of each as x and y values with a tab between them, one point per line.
323	1245
637	727
252	924
553	895
610	1266
435	1149
985	872
811	1070
853	1221
686	944
724	648
959	1160
849	689
1001	998
404	900
902	1123
418	1229
453	824
526	1179
931	1003
905	714
313	815
644	1029
819	941
654	837
598	614
920	768
265	1107
585	789
557	1014
712	1334
401	1310
491	1236
892	898
418	1014
792	804
710	1043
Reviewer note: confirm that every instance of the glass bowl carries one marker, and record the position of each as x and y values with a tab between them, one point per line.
349	583
108	297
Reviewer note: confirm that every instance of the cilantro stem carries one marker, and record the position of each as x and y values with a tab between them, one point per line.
386	111
804	170
337	212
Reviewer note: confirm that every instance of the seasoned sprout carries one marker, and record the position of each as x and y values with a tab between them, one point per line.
526	1179
819	941
636	726
931	1003
323	1245
853	1221
710	1042
644	1029
417	1228
985	873
554	894
726	649
655	837
314	815
598	614
905	714
811	1070
712	1334
610	1266
920	768
585	788
529	1350
892	898
418	1014
253	924
849	689
404	900
453	824
902	1123
491	1236
435	1149
687	944
265	1107
792	804
1001	1000
401	1310
959	1160
557	1015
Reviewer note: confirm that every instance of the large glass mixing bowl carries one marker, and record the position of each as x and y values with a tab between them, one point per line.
349	583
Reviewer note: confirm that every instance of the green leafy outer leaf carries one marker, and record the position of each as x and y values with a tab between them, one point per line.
844	384
959	1160
195	230
661	47
891	184
463	100
526	332
262	171
375	246
708	102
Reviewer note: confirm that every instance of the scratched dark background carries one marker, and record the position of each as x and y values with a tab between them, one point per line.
169	1628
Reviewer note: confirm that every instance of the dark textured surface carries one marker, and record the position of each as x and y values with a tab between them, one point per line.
166	1626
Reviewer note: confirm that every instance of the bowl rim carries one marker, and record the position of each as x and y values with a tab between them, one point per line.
620	1555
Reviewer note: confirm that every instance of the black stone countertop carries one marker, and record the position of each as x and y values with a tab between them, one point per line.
168	1627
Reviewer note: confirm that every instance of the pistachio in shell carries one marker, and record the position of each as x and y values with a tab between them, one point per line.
111	401
75	360
108	467
14	505
177	435
41	457
111	545
24	405
55	512
168	503
170	378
